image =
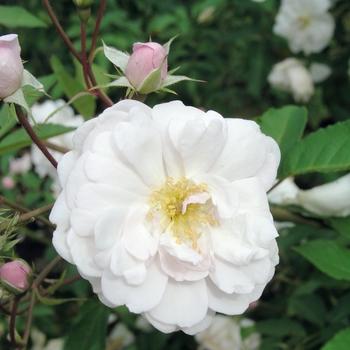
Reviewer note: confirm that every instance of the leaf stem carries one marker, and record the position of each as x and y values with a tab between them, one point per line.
45	272
24	122
29	318
13	319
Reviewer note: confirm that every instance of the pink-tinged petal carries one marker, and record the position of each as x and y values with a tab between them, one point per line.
60	216
201	145
223	194
244	153
230	304
137	238
182	271
252	197
140	298
139	141
83	251
201	326
184	304
180	251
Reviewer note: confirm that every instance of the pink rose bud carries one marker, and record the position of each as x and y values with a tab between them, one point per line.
8	182
11	67
147	67
16	276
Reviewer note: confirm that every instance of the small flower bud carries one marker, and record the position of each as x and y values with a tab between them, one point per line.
8	182
147	67
16	276
83	3
11	67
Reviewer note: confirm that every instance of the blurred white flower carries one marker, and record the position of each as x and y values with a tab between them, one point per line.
39	340
21	165
120	337
224	333
331	199
165	210
319	72
292	76
64	116
284	193
306	24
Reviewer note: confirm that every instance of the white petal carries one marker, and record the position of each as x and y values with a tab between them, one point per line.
137	238
139	298
184	304
223	194
201	326
140	142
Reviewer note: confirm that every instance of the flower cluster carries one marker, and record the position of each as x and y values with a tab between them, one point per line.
165	210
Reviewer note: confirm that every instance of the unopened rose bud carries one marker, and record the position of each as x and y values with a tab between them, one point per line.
11	67
147	67
8	182
16	276
83	3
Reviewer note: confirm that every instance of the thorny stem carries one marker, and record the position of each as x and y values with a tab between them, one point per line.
83	53
29	214
60	30
97	28
45	272
24	122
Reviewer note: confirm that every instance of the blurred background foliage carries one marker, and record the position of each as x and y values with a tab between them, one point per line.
230	45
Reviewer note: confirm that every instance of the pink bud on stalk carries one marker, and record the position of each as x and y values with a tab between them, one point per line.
147	67
11	67
15	276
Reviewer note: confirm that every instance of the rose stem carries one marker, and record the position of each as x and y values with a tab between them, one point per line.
60	30
24	122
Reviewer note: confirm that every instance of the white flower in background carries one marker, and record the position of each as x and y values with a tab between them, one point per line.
21	165
225	334
292	76
331	199
284	193
39	340
64	116
319	72
306	24
120	337
165	210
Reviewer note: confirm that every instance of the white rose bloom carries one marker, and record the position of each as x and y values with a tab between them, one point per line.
319	72
292	76
331	199
306	24
165	210
64	116
224	333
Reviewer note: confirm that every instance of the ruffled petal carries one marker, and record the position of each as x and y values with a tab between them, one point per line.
140	142
184	304
140	298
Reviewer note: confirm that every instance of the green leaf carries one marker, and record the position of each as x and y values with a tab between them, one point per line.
20	139
6	122
85	105
340	341
341	225
15	16
326	150
328	256
285	125
90	330
280	328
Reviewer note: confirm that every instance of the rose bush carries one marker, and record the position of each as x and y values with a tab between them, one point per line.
11	67
165	210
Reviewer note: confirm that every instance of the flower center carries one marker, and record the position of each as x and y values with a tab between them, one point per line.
303	21
183	206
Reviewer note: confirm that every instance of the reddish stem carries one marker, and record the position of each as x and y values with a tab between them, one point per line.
24	122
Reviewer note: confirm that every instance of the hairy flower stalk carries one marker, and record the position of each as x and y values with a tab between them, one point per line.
164	210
